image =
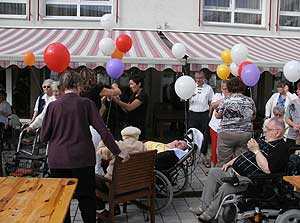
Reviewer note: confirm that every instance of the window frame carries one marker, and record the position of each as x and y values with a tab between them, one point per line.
11	16
287	13
232	10
78	3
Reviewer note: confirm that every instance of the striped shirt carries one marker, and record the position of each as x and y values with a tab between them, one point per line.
275	152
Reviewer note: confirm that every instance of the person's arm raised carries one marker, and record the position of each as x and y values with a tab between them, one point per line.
260	158
128	107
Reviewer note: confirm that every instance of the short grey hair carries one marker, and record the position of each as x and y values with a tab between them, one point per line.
48	81
70	80
279	123
279	109
55	86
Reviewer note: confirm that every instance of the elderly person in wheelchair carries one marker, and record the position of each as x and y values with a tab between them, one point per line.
269	156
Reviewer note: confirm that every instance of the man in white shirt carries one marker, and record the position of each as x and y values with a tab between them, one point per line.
199	109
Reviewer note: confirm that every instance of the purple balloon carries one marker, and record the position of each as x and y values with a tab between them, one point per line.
115	68
250	75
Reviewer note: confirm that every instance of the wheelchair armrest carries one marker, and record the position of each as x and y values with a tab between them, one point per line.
234	180
270	176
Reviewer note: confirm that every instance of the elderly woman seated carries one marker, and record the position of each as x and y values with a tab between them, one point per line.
130	143
168	154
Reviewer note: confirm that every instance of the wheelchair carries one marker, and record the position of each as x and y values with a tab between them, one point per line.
174	181
267	199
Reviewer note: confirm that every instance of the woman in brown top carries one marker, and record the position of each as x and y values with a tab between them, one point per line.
71	153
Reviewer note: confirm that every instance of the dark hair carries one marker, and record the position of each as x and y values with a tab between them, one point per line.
205	71
89	78
281	84
235	85
137	79
70	79
298	85
3	93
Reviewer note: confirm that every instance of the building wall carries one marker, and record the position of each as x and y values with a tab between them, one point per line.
157	15
164	15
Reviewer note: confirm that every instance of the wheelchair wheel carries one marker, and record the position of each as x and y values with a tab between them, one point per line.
179	180
292	215
164	192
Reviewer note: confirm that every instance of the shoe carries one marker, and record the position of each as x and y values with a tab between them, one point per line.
197	210
206	163
104	215
204	217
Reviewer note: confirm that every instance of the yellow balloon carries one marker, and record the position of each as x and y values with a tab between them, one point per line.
226	57
223	71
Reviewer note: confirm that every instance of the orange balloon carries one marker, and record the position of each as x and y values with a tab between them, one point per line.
117	54
29	58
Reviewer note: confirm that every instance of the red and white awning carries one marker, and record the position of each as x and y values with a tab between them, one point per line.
148	49
204	49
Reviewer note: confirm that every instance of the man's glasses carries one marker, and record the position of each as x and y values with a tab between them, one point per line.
46	86
269	129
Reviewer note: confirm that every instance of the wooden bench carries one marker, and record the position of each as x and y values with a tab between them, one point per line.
132	180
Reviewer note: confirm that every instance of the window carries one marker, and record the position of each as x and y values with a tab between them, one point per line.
289	13
78	8
234	11
13	8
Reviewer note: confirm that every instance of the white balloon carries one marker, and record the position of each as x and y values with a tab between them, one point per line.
185	87
107	22
291	71
178	50
107	46
239	53
234	69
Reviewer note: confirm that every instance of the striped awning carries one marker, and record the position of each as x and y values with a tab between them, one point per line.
148	49
204	49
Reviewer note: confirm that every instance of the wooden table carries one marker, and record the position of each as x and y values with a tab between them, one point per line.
294	180
30	200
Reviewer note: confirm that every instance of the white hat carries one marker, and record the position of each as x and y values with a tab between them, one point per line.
131	132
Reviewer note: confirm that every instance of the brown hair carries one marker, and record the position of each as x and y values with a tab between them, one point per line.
206	72
235	85
281	84
70	79
89	79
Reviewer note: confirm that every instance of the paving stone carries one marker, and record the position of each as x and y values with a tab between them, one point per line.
178	211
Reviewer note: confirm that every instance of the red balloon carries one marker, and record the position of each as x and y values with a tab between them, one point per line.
123	43
57	57
242	65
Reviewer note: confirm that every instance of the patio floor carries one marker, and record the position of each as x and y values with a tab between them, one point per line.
177	212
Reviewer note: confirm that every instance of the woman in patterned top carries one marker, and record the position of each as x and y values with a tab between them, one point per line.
293	120
236	113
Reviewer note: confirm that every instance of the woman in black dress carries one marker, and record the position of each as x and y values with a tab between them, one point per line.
137	105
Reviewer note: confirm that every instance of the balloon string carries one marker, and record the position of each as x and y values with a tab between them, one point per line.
185	115
251	96
294	88
109	107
